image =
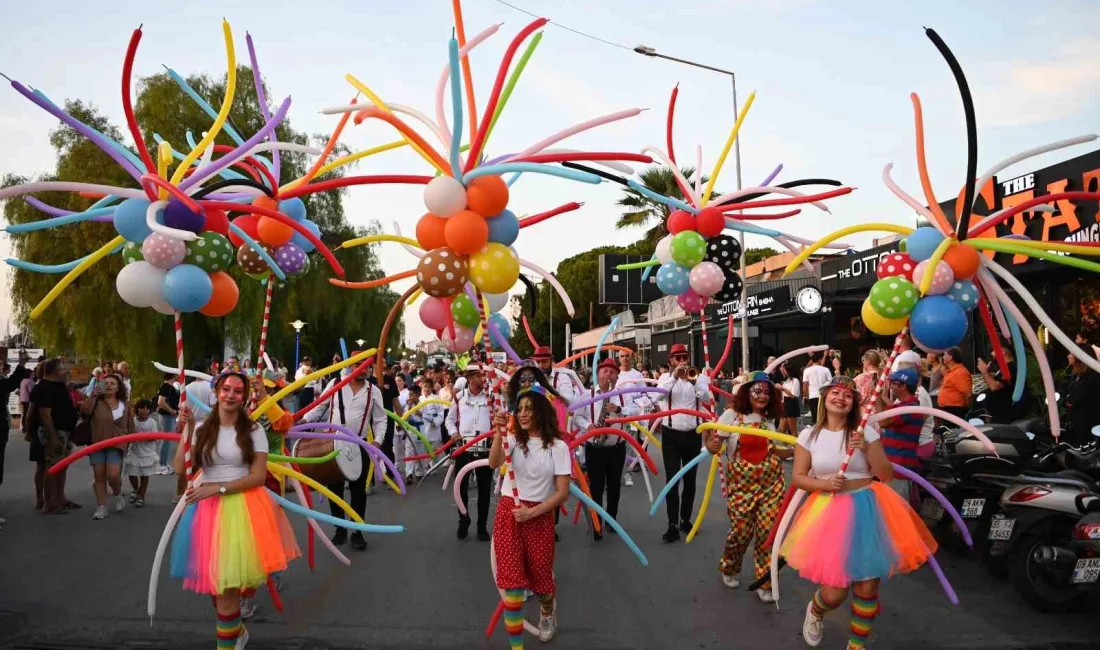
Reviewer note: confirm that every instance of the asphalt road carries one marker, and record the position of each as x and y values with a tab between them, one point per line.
71	582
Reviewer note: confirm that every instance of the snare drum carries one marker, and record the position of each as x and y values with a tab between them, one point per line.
481	449
347	466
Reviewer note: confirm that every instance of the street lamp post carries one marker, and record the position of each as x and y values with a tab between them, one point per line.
650	52
297	325
360	343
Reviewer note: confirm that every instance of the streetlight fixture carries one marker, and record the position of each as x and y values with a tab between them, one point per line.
360	342
297	325
645	50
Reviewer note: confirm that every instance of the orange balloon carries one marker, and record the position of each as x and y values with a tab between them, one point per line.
487	195
272	232
963	260
466	232
224	298
266	202
429	231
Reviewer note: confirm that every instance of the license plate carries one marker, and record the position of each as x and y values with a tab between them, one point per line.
931	509
1086	571
1000	528
972	508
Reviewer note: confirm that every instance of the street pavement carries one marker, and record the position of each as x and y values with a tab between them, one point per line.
70	582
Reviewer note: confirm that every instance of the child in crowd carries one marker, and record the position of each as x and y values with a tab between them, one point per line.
141	457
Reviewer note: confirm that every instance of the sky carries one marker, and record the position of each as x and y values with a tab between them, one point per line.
832	79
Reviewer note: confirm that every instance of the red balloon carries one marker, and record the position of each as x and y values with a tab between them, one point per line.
217	221
429	231
224	298
679	221
896	265
710	222
246	223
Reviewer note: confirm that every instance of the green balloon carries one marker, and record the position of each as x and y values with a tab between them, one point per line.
131	253
302	273
688	248
903	245
465	311
210	252
894	297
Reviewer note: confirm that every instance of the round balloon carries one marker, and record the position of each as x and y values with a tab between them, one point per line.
672	279
938	321
487	195
247	223
210	252
429	231
725	251
896	265
466	232
433	313
706	279
464	311
922	242
129	220
965	293
688	248
462	341
301	242
710	222
942	277
680	221
177	215
731	290
893	298
494	269
131	253
880	324
501	323
444	196
187	287
441	273
273	232
963	260
217	221
294	208
290	258
664	249
251	262
497	301
504	228
161	305
690	302
224	298
163	251
139	284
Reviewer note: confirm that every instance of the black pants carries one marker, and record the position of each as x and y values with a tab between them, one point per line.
813	410
484	488
387	440
677	449
957	411
357	490
4	431
605	468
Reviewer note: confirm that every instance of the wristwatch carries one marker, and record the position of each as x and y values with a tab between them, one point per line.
221	489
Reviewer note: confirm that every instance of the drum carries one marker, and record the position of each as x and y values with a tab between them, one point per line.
347	466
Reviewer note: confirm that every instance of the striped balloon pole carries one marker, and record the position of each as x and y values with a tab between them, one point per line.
706	346
187	465
494	395
884	378
267	318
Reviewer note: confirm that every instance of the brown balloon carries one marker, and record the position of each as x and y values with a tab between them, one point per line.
442	272
250	260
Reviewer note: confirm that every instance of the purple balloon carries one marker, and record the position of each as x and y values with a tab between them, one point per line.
290	258
177	215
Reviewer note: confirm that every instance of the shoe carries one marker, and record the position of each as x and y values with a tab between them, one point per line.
597	536
3	521
358	542
765	595
548	625
731	581
133	497
72	505
628	480
100	513
340	538
248	608
120	503
168	471
685	527
463	527
483	535
139	502
242	640
812	627
671	535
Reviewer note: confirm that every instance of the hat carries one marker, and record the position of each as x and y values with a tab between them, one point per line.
678	348
608	363
542	353
755	377
907	376
273	379
841	381
473	367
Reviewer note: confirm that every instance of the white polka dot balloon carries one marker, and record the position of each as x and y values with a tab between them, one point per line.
706	279
442	272
673	279
163	252
942	277
965	293
896	265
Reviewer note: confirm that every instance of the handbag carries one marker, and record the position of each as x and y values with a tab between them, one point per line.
82	434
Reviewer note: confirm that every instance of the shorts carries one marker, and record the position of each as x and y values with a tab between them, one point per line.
53	454
38	452
791	407
108	456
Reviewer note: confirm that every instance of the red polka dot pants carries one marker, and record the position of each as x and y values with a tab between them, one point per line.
524	551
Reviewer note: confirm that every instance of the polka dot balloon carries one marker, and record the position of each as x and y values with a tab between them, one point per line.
442	273
163	252
706	279
725	251
131	253
688	248
210	252
897	265
251	262
894	297
691	302
290	258
672	279
942	277
731	290
965	293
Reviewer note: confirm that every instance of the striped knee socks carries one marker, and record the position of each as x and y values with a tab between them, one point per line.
820	607
864	611
513	617
229	628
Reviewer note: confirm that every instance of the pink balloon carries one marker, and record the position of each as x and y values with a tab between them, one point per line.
942	278
691	302
163	252
706	279
462	341
434	313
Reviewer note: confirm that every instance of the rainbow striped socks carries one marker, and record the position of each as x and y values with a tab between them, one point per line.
229	628
513	617
864	611
820	607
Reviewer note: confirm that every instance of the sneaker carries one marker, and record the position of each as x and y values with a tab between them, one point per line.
358	542
340	538
120	503
139	502
731	581
813	627
483	535
463	527
242	640
628	480
765	595
671	535
100	513
547	626
248	608
133	497
3	521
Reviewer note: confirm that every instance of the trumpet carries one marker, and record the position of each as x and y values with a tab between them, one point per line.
692	373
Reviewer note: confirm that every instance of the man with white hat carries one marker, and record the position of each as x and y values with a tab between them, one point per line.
468	417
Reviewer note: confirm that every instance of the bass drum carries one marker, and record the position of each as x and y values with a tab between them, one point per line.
346	466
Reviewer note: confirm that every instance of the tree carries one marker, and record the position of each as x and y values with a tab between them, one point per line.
90	320
754	255
642	211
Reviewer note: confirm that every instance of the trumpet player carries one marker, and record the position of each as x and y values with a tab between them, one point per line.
605	454
687	389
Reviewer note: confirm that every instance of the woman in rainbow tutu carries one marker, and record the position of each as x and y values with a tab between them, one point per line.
852	531
232	534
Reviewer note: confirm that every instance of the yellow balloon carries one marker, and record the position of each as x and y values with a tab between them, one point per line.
495	269
879	324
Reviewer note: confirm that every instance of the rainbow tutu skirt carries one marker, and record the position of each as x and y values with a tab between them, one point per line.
231	542
837	539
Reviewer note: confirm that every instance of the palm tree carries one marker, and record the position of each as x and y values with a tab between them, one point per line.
643	212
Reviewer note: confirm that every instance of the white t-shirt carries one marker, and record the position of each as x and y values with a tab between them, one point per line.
536	468
925	400
827	452
227	463
816	377
117	411
794	387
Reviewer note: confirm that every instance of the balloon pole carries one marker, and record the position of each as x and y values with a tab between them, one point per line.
706	347
266	319
869	407
182	381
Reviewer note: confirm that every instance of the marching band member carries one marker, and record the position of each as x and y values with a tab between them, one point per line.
469	417
563	380
631	377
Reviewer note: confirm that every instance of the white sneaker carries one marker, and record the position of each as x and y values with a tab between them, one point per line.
731	581
120	503
100	513
813	627
548	625
248	608
242	640
3	521
628	481
765	595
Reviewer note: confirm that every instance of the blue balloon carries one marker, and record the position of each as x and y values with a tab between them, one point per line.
673	279
130	220
501	323
187	287
923	242
938	322
294	208
303	243
504	228
965	293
